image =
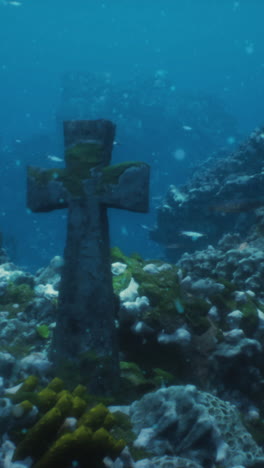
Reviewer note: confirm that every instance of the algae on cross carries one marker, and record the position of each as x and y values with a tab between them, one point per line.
85	338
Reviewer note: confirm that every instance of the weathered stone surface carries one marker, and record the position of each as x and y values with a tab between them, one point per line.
85	334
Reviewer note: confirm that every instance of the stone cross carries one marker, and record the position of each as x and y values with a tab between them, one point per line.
85	338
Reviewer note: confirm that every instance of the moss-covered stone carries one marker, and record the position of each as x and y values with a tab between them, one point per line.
82	157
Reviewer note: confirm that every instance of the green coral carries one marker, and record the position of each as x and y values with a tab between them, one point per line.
46	399
38	438
30	384
56	385
52	443
70	446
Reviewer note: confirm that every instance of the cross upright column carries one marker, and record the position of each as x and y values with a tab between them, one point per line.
85	335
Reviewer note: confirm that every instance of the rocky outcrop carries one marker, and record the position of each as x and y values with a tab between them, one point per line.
225	195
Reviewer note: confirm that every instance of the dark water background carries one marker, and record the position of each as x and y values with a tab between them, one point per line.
189	48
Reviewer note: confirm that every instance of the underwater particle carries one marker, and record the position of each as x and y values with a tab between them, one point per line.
124	231
230	140
179	154
13	3
249	47
187	128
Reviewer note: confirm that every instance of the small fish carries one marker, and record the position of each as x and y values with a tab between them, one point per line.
54	158
187	128
145	227
193	235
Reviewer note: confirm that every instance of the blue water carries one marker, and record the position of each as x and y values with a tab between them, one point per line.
191	49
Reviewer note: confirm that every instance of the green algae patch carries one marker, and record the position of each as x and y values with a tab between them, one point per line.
196	310
16	297
111	174
121	282
250	320
162	378
118	256
133	375
82	157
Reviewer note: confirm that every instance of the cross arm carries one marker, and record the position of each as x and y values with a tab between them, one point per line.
46	189
126	186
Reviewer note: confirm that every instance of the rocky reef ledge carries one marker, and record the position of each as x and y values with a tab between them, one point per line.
224	195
